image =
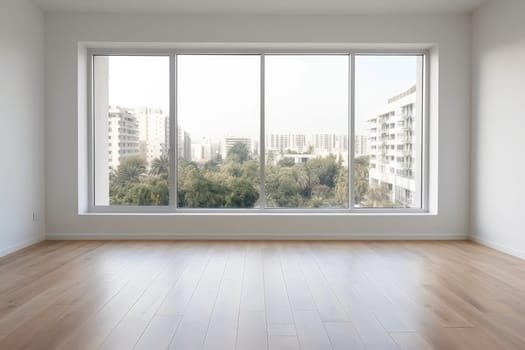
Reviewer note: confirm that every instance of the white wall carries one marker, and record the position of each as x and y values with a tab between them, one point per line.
498	141
21	120
450	34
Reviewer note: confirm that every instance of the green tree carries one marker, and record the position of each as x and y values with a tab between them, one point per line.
242	194
129	173
270	157
234	183
324	170
250	171
232	168
341	188
160	166
186	171
285	186
231	185
320	196
286	162
361	178
152	191
202	192
378	197
211	165
130	170
239	153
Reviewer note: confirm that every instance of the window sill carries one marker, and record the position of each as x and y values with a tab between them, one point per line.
238	213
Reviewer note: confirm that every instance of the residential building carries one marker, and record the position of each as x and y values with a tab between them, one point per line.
287	143
183	144
123	136
324	144
393	148
153	132
360	145
202	152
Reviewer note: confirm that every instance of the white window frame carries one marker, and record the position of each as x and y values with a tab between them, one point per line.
172	208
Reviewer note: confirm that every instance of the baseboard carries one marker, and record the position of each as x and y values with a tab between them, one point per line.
499	247
259	236
19	246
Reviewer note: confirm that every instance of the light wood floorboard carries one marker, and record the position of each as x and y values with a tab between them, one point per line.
252	295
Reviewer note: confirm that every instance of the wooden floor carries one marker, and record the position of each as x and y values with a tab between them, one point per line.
261	295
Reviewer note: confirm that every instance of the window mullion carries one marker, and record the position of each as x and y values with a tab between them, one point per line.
351	131
262	142
174	130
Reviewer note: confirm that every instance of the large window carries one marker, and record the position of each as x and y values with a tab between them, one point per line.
257	132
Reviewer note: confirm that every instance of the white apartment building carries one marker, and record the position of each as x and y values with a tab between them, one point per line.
361	145
202	152
183	144
286	142
320	144
324	144
123	136
153	133
394	154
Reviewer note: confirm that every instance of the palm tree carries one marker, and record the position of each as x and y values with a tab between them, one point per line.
130	170
160	166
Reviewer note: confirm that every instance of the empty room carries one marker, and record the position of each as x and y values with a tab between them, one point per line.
262	174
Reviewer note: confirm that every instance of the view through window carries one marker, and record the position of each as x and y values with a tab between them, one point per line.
306	119
388	131
258	131
131	133
218	131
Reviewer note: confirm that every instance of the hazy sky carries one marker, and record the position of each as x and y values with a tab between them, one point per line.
307	94
377	79
136	81
219	95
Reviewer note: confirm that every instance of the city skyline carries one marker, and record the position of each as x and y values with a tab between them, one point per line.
145	132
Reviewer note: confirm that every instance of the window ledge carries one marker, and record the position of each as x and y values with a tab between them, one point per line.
222	213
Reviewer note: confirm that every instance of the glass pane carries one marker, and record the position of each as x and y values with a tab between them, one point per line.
131	125
218	131
388	131
306	120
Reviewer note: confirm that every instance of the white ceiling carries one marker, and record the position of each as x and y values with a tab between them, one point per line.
298	7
